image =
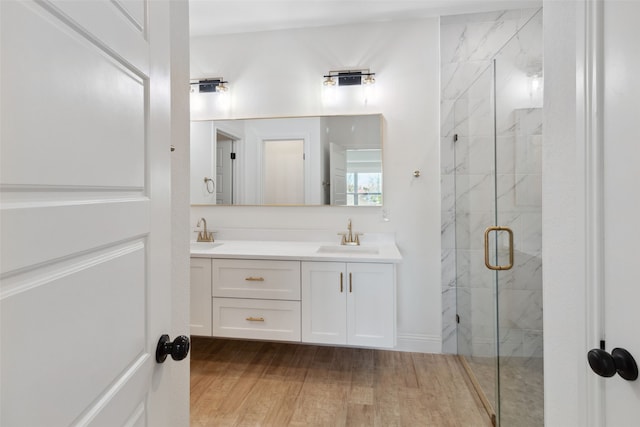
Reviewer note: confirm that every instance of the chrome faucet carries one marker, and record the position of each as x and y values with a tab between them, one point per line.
350	238
204	236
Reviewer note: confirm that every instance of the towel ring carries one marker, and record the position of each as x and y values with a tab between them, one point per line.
213	185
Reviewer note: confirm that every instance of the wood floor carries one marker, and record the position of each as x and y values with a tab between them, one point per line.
247	383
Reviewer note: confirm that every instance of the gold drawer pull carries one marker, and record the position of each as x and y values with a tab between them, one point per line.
255	319
254	279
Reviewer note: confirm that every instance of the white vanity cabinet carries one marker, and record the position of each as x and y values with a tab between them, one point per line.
294	291
348	303
256	299
200	322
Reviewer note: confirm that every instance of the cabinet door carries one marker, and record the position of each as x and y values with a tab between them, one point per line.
200	322
371	301
324	311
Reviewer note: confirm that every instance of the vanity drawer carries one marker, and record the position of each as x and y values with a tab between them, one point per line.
260	279
256	319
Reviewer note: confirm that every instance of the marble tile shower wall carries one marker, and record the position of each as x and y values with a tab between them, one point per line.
468	43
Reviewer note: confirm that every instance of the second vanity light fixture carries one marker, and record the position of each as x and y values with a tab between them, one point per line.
210	93
216	84
349	77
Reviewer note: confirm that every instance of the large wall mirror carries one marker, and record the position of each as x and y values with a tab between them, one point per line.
325	160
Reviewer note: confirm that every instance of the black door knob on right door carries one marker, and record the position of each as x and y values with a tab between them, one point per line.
620	361
177	349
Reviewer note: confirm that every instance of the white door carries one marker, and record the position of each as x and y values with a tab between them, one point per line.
283	176
224	171
85	213
338	174
621	202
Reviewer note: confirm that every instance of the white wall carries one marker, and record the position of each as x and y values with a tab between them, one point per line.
280	73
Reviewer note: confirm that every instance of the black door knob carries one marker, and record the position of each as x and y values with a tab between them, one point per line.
619	361
601	363
178	349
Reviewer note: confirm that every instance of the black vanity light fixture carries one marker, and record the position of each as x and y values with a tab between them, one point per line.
349	77
215	84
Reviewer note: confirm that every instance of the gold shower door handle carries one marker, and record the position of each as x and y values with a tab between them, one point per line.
487	262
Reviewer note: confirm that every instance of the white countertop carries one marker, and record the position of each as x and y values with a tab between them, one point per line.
304	251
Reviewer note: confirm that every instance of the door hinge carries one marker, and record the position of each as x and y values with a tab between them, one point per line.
304	156
457	318
455	137
233	156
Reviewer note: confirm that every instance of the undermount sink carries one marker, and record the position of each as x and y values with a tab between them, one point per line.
348	249
204	245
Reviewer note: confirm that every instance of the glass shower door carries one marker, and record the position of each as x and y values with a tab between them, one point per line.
498	143
474	151
518	116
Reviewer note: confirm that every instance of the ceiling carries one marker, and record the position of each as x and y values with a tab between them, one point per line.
211	17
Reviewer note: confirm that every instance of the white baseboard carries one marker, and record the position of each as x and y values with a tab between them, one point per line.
419	343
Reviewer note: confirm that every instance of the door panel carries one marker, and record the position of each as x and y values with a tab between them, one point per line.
105	105
85	290
621	201
66	320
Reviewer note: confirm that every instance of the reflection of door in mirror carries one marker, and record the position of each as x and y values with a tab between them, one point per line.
213	176
283	180
338	174
224	170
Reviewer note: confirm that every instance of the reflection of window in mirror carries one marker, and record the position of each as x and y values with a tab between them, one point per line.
283	179
364	177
